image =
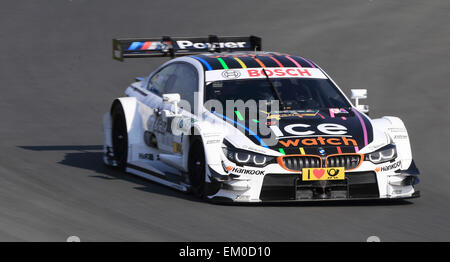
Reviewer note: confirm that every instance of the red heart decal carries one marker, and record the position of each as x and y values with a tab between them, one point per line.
229	168
318	172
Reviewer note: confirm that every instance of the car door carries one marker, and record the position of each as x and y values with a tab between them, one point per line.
157	125
185	83
180	78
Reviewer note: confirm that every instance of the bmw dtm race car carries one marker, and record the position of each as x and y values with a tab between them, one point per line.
230	122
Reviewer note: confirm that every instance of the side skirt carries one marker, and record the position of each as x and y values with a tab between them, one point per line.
155	177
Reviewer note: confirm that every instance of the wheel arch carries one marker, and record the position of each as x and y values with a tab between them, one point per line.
129	105
211	140
133	121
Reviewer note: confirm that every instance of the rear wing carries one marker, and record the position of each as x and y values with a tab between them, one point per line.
179	46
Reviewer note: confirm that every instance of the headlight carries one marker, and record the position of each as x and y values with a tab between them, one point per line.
244	157
384	154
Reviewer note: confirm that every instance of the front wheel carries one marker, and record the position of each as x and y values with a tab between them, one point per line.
197	168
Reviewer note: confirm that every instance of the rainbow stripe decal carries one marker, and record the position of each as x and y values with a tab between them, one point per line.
363	126
261	142
241	60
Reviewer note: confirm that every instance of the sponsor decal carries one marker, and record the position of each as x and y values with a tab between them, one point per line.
393	166
145	156
181	124
231	74
305	129
318	141
255	73
292	113
279	72
160	125
400	137
185	44
210	134
176	147
244	171
332	173
251	148
326	129
338	111
397	129
215	141
241	55
148	45
271	123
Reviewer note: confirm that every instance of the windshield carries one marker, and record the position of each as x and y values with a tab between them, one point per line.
295	93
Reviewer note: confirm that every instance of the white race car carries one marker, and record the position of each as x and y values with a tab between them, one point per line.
232	123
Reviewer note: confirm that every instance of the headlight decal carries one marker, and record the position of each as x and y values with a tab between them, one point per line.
259	159
245	158
242	157
385	154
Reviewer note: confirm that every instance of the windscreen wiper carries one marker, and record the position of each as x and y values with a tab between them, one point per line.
274	89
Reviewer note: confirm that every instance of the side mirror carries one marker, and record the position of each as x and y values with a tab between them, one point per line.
360	94
173	99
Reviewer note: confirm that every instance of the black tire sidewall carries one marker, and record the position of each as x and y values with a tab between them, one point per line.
197	174
119	128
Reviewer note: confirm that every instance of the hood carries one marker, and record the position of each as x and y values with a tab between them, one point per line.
315	132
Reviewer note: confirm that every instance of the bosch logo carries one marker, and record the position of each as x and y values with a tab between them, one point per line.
231	74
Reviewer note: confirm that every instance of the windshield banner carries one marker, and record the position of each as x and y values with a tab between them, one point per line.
272	72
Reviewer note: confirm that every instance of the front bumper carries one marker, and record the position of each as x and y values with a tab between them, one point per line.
283	187
359	185
416	194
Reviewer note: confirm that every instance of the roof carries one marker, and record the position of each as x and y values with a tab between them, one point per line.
220	61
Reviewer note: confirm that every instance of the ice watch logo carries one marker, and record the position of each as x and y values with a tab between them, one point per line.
319	141
305	130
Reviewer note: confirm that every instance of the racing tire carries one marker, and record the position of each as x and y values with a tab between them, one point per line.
119	136
197	168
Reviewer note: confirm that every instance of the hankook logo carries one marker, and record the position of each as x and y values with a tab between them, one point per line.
389	167
231	74
240	170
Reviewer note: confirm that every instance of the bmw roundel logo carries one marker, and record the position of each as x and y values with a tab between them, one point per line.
321	151
231	74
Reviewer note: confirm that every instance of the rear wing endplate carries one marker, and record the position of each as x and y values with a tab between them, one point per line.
179	46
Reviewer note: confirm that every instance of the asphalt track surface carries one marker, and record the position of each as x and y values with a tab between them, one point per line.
57	79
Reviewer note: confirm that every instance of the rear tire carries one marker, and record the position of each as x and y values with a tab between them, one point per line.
119	136
197	168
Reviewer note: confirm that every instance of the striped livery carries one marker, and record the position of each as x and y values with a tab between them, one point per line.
251	60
